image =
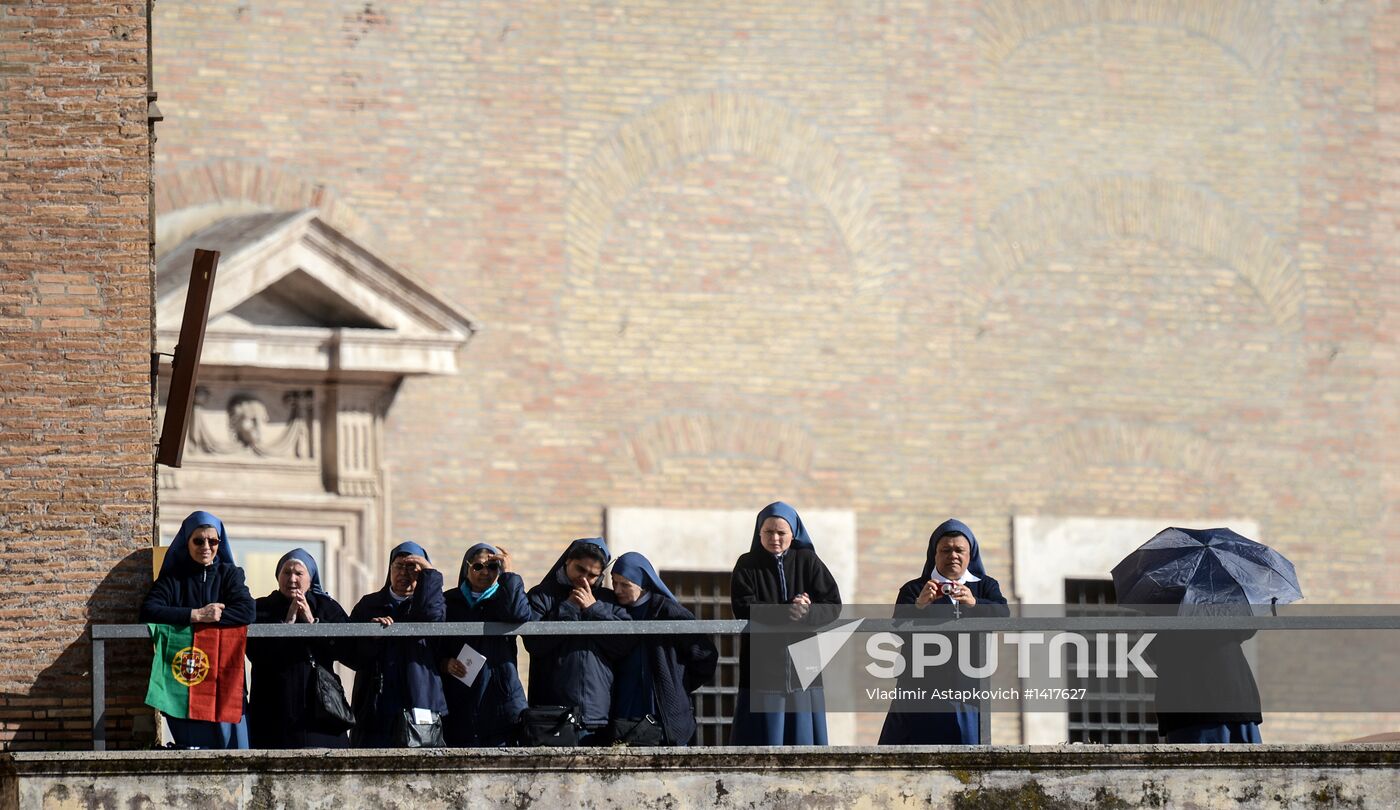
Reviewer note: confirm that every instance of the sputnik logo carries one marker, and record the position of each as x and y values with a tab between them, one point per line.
810	656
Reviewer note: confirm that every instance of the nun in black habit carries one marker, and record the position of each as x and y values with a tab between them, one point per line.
398	674
780	568
954	559
199	583
659	674
279	713
484	714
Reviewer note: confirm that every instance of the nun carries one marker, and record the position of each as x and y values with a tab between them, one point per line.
397	684
780	568
654	682
199	583
1205	690
484	712
952	575
577	671
279	715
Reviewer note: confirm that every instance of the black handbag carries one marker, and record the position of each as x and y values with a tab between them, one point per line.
549	725
410	734
330	711
640	731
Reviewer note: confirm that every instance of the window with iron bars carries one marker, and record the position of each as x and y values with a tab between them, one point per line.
706	594
1113	710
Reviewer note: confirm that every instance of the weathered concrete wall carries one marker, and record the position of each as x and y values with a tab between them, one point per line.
1354	776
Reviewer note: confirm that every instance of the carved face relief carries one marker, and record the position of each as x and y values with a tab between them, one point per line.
246	417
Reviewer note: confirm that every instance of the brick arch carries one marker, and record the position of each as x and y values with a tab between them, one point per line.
685	127
217	182
1126	445
1050	219
716	435
1244	29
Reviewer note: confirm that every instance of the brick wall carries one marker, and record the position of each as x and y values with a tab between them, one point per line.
75	336
916	260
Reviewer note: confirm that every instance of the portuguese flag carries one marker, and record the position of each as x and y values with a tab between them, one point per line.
197	671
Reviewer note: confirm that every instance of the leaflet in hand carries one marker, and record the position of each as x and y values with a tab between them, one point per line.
473	661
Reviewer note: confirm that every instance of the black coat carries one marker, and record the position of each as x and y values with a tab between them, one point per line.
174	594
755	582
1203	678
485	713
987	591
990	603
575	671
396	674
278	710
679	665
905	724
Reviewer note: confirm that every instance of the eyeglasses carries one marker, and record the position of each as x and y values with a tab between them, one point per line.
211	542
493	565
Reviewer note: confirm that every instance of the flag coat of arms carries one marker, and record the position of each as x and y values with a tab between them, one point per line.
197	671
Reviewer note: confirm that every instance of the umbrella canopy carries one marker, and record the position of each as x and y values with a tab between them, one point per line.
1205	567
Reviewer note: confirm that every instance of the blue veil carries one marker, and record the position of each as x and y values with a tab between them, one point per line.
636	568
177	556
800	538
950	526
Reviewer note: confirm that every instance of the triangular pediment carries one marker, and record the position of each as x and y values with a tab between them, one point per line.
299	299
292	292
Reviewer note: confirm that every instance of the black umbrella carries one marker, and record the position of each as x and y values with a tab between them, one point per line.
1205	567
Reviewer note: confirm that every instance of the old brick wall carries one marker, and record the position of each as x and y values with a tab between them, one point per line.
75	336
911	259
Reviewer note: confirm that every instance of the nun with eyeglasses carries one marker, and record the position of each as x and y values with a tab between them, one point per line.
480	676
782	568
651	702
284	669
199	583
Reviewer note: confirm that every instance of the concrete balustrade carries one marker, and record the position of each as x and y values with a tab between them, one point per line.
1045	777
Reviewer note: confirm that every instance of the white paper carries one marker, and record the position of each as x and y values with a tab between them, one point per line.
473	661
422	716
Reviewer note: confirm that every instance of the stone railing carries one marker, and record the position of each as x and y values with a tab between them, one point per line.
1050	778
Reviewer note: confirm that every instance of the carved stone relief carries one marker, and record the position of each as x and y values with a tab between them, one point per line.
249	427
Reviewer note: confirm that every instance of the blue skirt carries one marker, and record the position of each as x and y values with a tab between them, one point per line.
1216	733
206	734
795	718
961	726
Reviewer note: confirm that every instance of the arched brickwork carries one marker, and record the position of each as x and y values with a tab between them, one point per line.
205	192
689	126
716	435
1126	445
1050	219
1243	28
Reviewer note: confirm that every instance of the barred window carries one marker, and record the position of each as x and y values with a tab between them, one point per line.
706	594
1113	710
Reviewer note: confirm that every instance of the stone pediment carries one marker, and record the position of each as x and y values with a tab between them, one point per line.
293	293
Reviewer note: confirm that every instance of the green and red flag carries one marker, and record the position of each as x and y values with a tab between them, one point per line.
197	671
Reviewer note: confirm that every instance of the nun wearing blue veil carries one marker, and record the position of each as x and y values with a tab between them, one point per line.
397	674
656	678
952	558
576	671
199	583
484	714
283	669
780	568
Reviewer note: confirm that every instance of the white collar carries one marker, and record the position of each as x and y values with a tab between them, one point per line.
967	576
